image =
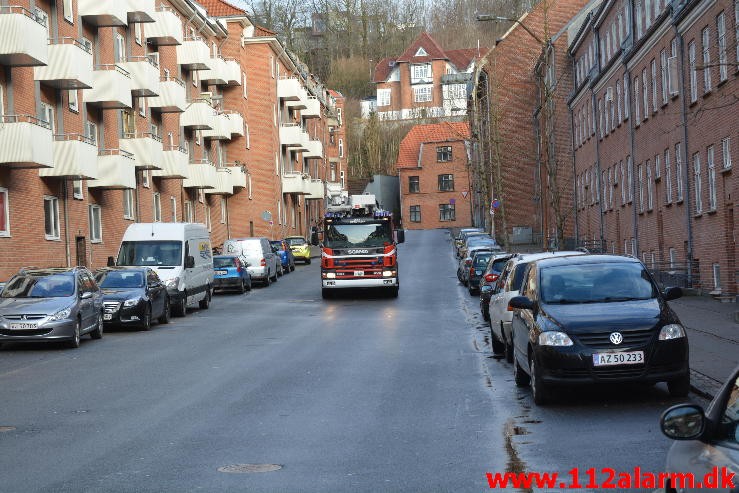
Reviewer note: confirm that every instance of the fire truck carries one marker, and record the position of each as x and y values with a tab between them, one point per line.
359	247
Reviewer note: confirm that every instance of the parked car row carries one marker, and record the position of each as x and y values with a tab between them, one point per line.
160	270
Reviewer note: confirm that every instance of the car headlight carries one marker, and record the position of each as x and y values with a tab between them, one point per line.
173	283
62	314
671	331
554	338
132	302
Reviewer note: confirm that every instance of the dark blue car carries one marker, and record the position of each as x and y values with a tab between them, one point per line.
285	253
231	273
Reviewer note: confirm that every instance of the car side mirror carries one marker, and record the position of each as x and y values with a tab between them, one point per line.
400	236
521	303
86	295
111	262
672	293
683	422
189	262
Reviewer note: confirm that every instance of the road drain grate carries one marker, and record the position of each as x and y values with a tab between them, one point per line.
249	468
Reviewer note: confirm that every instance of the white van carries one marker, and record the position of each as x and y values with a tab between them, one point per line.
263	261
179	252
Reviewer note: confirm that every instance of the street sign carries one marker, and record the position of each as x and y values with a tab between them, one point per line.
464	194
494	204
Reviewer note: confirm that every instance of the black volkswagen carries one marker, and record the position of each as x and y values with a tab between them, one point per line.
133	296
593	319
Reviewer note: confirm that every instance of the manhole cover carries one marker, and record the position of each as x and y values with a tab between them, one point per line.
5	429
249	468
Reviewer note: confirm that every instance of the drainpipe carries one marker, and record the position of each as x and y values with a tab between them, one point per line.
686	157
538	183
228	219
65	196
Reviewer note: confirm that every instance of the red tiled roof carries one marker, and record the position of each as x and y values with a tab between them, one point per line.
335	94
433	132
429	44
383	69
220	8
263	31
462	58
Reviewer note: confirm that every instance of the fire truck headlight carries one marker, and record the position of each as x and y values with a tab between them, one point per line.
387	273
330	275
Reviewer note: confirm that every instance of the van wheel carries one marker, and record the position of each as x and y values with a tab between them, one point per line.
180	309
97	333
205	302
74	343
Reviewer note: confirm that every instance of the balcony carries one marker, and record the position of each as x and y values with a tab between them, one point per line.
144	73
101	13
146	149
216	74
199	115
111	88
288	89
221	128
172	96
174	164
235	122
312	108
193	54
238	176
315	190
116	170
141	11
294	182
70	65
167	28
25	142
314	151
301	103
223	185
75	157
233	72
22	38
294	137
201	174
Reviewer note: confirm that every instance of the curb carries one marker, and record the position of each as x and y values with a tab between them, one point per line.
703	385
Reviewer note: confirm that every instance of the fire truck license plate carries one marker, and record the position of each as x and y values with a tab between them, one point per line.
358	273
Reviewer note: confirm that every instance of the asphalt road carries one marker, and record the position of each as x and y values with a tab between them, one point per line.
360	393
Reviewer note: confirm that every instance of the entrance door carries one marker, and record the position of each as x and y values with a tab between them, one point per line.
81	250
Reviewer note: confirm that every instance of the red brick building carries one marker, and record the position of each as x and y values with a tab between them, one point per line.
432	167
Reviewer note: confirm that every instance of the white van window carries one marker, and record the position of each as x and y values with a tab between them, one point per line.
150	253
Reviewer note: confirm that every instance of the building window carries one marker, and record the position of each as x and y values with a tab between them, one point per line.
51	218
415	213
145	182
341	178
668	178
68	11
657	168
73	101
446	183
638	20
446	212
420	72
698	183
224	210
600	118
414	186
645	93
726	151
722	60
622	182
128	204
640	183
444	154
4	213
189	215
716	271
637	112
618	101
711	179
706	37
663	73
422	94
207	218
630	172
626	97
654	86
173	206
341	147
673	258
679	173
650	188
157	208
91	130
383	97
96	228
693	72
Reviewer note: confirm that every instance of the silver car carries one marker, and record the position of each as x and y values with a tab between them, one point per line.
51	305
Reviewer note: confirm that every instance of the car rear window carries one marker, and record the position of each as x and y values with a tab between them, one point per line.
482	260
224	262
499	264
517	276
296	241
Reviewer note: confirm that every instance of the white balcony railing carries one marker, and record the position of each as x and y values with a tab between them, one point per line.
216	74
22	38
301	103
294	137
111	87
312	108
25	142
233	72
174	164
70	65
314	151
141	11
172	96
199	115
193	54
294	182
288	88
201	174
116	170
167	28
238	176
223	184
221	128
75	157
144	73
235	122
315	190
103	13
146	149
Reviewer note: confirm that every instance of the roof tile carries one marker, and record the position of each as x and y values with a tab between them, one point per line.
428	133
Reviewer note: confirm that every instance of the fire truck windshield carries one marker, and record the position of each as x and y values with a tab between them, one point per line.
359	235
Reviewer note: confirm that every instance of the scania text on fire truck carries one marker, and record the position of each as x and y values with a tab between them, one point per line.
359	247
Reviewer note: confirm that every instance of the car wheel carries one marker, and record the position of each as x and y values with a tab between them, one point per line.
508	346
146	320
495	345
471	290
166	313
679	387
539	389
205	302
520	376
292	266
74	343
326	294
485	312
281	271
242	287
307	261
180	309
248	284
274	278
97	333
393	291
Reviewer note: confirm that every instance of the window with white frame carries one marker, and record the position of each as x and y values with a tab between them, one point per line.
630	173
51	218
622	182
657	167
638	19
341	178
640	184
668	178
207	218
96	227
654	86
422	94
618	102
341	147
129	204
726	152
247	135
145	181
678	173
137	33
693	72
201	195
645	93
189	212
244	89
77	192
173	207
650	188
716	271
47	114
672	255
456	91
647	13
637	119
4	213
224	211
611	184
722	59
157	202
706	38
711	179
68	10
604	181
664	74
91	132
626	97
420	72
600	118
698	183
73	100
383	97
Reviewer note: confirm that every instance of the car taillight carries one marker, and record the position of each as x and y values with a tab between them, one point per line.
472	271
263	263
468	262
491	277
238	266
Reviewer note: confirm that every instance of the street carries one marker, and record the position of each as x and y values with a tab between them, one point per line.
359	393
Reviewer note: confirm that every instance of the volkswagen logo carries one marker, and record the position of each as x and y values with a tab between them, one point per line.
616	338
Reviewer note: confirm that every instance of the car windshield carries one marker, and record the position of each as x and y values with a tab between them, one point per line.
596	283
224	262
120	279
51	286
157	253
366	235
481	260
296	241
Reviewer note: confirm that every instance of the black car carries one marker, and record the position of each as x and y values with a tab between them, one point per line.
133	296
489	278
594	319
478	265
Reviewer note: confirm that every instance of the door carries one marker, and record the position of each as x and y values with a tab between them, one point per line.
156	293
81	250
86	304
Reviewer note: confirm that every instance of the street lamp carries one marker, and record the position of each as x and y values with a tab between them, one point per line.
497	18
